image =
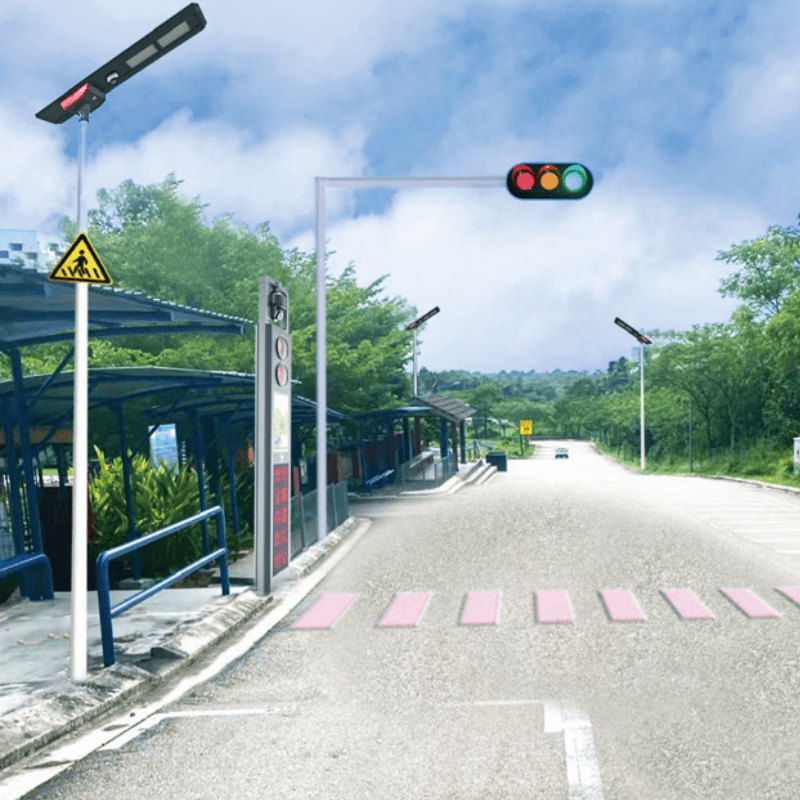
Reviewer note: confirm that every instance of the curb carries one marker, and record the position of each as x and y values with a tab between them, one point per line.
26	730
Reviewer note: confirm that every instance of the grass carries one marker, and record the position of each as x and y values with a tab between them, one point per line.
758	463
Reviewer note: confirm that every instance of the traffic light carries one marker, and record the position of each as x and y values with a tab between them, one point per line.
549	181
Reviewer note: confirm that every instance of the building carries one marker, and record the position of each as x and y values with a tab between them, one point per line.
34	249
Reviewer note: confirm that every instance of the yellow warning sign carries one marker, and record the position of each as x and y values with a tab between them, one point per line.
525	427
80	264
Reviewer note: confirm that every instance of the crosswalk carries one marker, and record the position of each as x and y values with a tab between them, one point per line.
551	606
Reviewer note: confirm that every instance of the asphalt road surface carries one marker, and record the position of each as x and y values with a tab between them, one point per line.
570	629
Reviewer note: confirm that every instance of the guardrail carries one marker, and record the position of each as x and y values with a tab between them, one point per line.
107	611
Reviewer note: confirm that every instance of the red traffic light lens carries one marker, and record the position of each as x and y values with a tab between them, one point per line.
523	178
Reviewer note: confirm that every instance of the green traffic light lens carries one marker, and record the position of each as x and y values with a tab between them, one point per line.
575	178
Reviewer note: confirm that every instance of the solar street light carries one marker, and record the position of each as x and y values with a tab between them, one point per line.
92	90
83	98
643	340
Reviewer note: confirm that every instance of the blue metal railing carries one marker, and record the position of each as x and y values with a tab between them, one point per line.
107	611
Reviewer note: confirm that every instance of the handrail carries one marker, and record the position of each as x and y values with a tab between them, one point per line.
107	611
26	561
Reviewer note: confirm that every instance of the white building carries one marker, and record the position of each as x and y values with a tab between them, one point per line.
35	249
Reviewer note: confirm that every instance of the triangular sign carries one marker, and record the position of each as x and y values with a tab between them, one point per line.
80	264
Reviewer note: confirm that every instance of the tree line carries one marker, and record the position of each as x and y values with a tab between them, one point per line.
736	383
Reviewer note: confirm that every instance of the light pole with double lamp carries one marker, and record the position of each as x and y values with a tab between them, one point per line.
83	98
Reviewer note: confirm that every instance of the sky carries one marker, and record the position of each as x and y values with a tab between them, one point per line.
686	112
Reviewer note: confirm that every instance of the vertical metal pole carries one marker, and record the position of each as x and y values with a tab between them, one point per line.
641	375
690	435
126	477
80	460
415	362
322	371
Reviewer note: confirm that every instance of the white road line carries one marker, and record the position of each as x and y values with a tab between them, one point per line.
583	772
552	717
151	722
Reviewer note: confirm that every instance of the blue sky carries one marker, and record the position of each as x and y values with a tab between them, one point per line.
686	111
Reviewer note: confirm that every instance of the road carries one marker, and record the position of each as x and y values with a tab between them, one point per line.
478	695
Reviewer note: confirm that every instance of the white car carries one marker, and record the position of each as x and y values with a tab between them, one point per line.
562	452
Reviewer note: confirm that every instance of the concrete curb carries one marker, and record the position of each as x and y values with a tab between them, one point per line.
27	730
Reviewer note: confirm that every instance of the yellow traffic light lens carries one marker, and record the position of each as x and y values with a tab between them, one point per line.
575	178
549	177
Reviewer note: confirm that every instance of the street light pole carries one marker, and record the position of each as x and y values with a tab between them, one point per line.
80	443
641	400
643	340
413	327
83	98
415	362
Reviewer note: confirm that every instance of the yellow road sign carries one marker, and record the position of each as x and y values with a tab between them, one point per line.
80	264
525	427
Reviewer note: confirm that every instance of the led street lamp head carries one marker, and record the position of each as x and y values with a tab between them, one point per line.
167	36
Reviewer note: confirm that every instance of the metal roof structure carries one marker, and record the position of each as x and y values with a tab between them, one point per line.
35	310
204	392
452	410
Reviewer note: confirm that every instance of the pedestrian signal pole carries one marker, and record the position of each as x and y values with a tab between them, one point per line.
273	434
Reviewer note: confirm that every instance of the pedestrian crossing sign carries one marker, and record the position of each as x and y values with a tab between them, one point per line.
80	264
525	427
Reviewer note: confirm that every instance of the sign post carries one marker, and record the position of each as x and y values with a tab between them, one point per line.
273	434
525	429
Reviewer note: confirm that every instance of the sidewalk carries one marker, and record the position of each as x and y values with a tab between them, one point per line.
169	631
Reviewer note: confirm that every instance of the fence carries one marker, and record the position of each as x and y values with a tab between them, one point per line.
107	611
432	474
304	515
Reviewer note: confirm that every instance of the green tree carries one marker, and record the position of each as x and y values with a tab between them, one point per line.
770	270
153	240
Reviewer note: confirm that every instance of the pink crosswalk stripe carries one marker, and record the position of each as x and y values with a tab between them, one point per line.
793	593
686	604
749	603
405	610
553	606
621	605
481	608
325	611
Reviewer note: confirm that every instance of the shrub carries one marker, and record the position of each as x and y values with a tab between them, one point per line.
162	496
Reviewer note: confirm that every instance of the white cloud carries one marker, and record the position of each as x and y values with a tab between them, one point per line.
537	284
256	180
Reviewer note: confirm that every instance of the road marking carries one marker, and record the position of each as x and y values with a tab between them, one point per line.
749	603
553	606
552	717
152	721
793	593
686	604
583	771
621	605
406	610
325	612
481	608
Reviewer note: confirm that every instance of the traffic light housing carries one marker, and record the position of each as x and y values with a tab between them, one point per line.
568	181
